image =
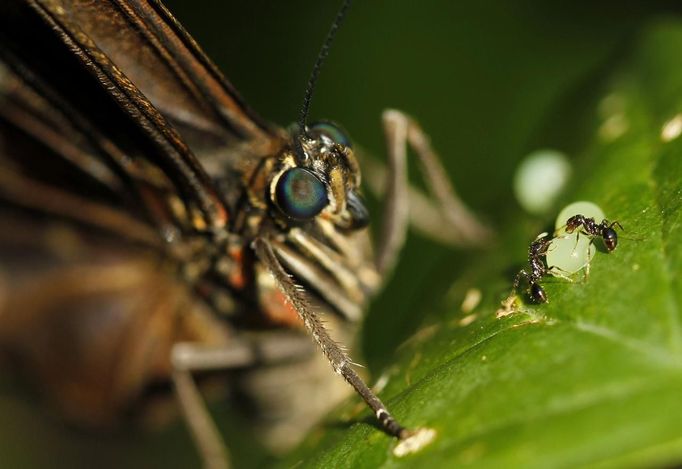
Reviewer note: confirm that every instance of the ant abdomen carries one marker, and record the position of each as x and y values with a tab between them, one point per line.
610	238
537	293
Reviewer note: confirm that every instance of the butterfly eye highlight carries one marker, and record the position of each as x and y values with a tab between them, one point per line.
330	131
300	194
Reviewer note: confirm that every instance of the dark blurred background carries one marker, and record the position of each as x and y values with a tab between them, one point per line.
490	81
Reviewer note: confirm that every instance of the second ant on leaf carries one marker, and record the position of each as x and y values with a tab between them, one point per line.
538	268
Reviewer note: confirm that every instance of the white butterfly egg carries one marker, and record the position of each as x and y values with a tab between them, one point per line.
540	179
570	253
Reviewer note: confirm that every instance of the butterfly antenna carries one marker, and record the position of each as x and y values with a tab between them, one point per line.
314	74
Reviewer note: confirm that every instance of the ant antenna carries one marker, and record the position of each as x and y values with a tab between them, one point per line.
312	81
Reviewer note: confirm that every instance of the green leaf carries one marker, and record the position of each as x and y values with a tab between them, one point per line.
591	378
489	81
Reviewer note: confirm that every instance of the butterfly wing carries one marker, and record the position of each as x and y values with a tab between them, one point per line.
100	103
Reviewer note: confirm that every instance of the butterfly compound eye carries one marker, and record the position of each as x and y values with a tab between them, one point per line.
300	194
330	131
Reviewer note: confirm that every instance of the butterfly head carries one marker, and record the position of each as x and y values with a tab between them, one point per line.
320	177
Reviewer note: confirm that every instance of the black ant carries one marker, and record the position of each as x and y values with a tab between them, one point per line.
591	228
538	268
538	249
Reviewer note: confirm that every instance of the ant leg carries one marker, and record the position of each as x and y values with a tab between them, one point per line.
187	358
559	272
586	266
517	279
561	231
559	234
616	223
442	216
588	263
577	238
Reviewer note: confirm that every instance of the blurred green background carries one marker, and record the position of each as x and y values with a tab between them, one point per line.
489	81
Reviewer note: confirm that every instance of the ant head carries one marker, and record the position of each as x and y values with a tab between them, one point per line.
574	222
537	293
541	243
610	238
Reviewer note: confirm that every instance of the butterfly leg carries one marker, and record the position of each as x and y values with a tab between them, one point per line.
338	358
188	358
441	215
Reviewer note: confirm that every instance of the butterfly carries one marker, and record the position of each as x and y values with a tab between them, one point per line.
156	229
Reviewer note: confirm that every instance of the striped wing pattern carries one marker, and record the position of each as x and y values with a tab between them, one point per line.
103	206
